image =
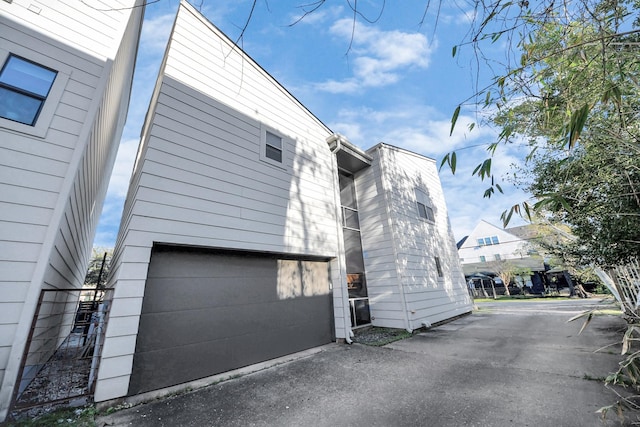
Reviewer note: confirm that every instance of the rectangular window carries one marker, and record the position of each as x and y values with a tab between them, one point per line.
494	240
438	266
430	216
497	256
487	241
273	147
24	87
422	210
425	212
480	242
483	258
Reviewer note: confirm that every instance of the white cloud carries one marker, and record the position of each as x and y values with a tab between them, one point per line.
421	129
316	16
122	168
155	32
379	57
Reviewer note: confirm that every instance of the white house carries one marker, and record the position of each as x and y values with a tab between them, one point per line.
488	247
65	75
252	231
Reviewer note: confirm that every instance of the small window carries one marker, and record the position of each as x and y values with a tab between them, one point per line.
425	212
497	256
483	258
24	87
480	242
438	266
487	241
494	240
273	147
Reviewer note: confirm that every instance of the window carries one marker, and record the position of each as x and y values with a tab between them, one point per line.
425	212
494	240
497	256
438	266
483	258
480	242
487	241
24	87
273	147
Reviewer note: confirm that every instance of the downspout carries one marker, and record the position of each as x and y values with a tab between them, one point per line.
345	297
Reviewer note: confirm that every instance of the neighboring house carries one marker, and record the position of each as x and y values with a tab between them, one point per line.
65	75
252	231
487	248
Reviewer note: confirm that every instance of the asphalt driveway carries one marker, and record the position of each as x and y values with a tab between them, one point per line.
509	364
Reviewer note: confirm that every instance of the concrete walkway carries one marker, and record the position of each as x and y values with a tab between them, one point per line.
509	364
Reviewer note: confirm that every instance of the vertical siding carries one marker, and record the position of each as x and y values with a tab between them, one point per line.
52	188
199	179
406	245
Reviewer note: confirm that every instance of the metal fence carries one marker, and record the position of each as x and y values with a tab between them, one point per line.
625	280
62	353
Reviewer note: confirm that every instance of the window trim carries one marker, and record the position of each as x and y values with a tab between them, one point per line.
286	142
48	109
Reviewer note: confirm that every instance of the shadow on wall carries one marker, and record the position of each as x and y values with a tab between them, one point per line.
422	240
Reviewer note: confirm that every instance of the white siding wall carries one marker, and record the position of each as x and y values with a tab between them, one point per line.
52	185
90	26
414	292
509	247
199	179
381	271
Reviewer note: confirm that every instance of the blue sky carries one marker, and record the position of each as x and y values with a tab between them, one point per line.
393	81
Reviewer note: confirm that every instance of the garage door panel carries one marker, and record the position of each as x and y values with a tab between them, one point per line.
194	264
176	328
189	363
199	319
175	294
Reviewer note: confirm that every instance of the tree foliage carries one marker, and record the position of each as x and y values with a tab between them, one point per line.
574	99
98	267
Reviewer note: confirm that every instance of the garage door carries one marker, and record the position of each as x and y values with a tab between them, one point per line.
205	313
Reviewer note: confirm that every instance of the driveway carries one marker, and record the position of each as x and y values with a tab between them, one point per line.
508	364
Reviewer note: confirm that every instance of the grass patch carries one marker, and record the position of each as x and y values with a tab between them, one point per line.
76	417
592	378
503	298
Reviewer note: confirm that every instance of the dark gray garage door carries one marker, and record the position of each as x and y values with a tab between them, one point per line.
205	313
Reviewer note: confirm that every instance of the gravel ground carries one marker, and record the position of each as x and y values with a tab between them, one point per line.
379	336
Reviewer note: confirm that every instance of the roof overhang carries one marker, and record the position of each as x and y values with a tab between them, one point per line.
349	157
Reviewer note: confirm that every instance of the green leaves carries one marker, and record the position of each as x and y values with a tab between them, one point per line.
454	119
576	124
451	160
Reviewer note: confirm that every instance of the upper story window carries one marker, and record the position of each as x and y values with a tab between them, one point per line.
273	147
425	211
487	241
24	87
